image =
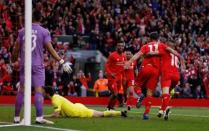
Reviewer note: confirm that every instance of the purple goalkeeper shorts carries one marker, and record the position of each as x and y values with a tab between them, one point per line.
38	76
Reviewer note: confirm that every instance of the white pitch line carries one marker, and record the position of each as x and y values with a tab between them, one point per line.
10	125
46	127
190	115
53	128
175	114
5	122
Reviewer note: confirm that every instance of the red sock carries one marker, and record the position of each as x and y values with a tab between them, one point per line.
166	99
148	103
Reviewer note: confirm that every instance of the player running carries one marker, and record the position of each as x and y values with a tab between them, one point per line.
40	38
114	69
65	108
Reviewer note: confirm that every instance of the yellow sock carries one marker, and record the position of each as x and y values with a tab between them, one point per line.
112	113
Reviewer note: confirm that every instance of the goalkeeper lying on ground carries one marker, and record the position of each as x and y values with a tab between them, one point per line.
65	108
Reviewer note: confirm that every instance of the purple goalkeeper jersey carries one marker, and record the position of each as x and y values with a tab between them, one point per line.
40	36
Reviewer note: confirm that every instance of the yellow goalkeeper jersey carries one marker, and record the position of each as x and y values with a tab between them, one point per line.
69	109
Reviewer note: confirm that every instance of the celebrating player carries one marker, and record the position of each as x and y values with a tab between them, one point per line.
169	74
65	108
148	72
114	71
40	38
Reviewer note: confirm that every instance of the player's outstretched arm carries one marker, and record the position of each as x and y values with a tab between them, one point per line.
134	58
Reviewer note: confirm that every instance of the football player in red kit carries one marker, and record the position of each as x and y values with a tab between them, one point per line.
129	81
151	69
170	75
148	72
114	69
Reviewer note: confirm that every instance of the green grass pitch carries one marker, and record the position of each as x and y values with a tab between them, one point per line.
181	119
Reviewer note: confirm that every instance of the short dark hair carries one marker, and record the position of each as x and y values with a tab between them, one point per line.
154	35
37	15
49	90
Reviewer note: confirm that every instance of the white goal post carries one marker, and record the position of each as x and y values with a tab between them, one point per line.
27	84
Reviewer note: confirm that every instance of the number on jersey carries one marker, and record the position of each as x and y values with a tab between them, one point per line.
153	48
34	38
174	60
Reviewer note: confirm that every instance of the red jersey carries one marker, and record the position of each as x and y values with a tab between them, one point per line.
169	62
150	67
152	60
129	73
115	63
169	67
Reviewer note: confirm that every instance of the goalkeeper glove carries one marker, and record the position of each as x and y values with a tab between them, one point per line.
66	66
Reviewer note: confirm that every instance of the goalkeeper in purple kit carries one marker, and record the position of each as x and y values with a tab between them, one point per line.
40	39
